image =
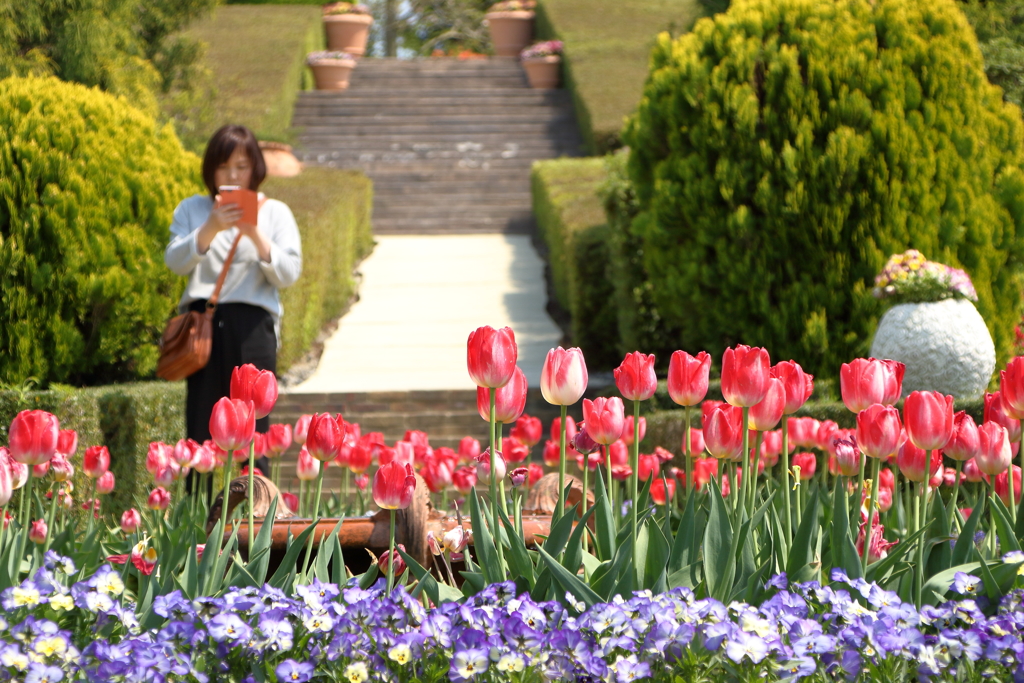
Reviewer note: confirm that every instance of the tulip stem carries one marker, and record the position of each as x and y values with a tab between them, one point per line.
799	486
302	499
495	493
787	512
501	482
744	476
252	507
559	508
316	512
992	513
920	542
634	479
391	552
858	495
3	527
611	481
346	490
224	503
754	467
1009	478
53	516
686	452
26	492
953	517
92	513
871	514
583	503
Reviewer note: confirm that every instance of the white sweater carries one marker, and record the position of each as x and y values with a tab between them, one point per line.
249	280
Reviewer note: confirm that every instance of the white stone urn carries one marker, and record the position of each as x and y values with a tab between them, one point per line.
944	344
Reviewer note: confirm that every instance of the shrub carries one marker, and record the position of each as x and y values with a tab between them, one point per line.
332	208
785	148
87	188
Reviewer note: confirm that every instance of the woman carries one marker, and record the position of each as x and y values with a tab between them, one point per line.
247	321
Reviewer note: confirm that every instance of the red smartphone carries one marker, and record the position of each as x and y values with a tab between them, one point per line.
246	200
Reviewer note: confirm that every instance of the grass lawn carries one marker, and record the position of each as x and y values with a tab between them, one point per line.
607	45
256	56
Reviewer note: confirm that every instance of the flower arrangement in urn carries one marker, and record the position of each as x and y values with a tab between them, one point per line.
911	278
347	26
542	62
336	8
934	328
331	68
549	48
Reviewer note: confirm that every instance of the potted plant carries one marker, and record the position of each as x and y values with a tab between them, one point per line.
934	328
331	68
542	62
347	26
511	26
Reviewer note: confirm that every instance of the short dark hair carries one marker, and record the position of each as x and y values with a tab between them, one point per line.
220	148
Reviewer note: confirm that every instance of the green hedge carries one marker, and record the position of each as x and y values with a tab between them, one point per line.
332	208
125	418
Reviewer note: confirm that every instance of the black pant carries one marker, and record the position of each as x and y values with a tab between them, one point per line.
242	333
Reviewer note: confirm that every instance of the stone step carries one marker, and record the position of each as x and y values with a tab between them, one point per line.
390	156
483	210
541	128
449	141
374	169
315	122
426	225
483	201
416	103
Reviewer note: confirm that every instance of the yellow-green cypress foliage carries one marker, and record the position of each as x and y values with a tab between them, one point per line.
784	149
87	188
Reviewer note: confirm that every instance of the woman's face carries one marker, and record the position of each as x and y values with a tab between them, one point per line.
237	170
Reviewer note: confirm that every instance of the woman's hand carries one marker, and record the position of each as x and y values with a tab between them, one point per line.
222	217
254	233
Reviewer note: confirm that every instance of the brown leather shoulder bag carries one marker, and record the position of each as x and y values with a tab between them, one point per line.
187	339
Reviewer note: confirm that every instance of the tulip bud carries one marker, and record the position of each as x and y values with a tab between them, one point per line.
257	386
394	485
764	415
37	531
635	376
688	377
131	520
232	423
67	442
39	471
848	456
509	400
994	455
745	373
519	476
96	461
563	377
158	499
491	356
528	430
387	558
582	443
307	468
105	483
605	419
32	437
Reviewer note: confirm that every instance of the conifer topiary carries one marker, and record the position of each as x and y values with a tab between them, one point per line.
785	149
87	188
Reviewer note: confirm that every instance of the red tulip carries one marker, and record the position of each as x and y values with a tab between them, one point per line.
1003	486
825	435
491	356
703	470
259	386
279	438
536	473
723	432
464	479
647	466
745	373
964	442
696	442
528	430
393	485
205	458
19	471
469	448
510	399
6	480
552	453
1011	387
105	483
323	441
879	431
688	377
708	407
621	472
803	432
290	499
96	461
659	488
627	429
878	548
771	446
556	428
808	463
515	450
765	414
67	442
635	376
848	457
605	419
361	457
32	438
799	385
307	468
911	461
232	423
301	429
436	475
158	499
158	457
865	381
995	411
37	531
993	455
928	416
972	473
131	520
361	481
563	378
143	558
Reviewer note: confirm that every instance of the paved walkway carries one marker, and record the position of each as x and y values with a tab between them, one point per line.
420	297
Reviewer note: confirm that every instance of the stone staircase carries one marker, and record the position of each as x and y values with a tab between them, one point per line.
447	143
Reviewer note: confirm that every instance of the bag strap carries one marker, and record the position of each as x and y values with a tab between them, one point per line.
211	303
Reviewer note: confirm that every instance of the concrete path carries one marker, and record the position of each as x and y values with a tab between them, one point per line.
420	297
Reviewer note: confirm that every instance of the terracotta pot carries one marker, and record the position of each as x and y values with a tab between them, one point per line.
332	74
510	31
348	32
543	72
280	161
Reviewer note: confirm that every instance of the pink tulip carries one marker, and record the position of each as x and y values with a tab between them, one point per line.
491	356
803	432
509	401
635	377
825	435
771	446
6	480
878	548
131	520
483	466
519	476
745	373
307	468
301	429
514	450
556	428
67	442
204	460
799	385
723	432
993	455
37	531
32	438
157	457
19	471
41	470
1003	484
995	411
536	473
972	473
469	448
879	431
464	479
436	475
279	438
865	381
848	457
659	487
688	377
912	461
605	419
808	463
105	483
627	429
563	379
60	467
158	499
767	413
964	442
618	453
528	430
324	439
1011	387
389	557
232	423
394	485
696	442
928	417
259	386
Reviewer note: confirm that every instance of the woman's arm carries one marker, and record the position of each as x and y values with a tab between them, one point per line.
189	243
283	263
